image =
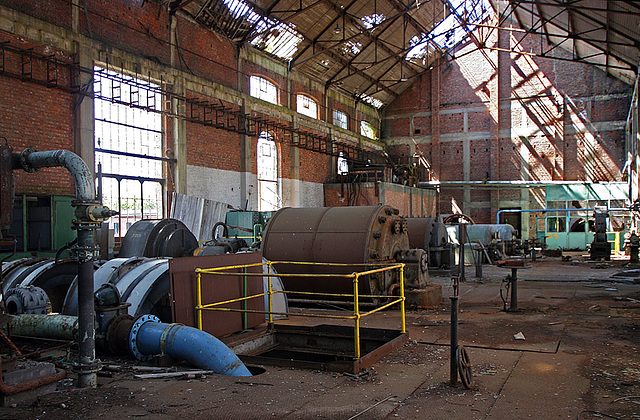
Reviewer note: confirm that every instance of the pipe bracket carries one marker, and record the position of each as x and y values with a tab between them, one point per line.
133	335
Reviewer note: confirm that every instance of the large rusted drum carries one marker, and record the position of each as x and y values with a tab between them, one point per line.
351	235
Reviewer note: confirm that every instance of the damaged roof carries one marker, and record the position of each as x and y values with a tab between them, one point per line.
371	49
601	32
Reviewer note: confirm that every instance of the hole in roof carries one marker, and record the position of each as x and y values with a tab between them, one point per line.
453	29
372	20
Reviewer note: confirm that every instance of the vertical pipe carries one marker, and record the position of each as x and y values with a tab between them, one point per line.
479	264
454	340
89	215
270	295
119	210
514	289
199	298
86	317
100	182
356	314
244	300
462	230
402	314
141	200
25	235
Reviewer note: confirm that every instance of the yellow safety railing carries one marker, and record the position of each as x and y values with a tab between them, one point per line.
355	277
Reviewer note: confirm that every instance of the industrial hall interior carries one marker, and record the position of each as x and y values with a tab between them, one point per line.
302	209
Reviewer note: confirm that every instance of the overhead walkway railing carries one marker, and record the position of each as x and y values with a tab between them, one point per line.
205	277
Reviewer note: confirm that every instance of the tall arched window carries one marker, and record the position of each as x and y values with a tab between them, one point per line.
269	197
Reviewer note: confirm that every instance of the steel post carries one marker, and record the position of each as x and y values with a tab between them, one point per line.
87	366
454	341
479	264
514	289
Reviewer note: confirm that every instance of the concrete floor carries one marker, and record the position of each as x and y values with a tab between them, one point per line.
579	360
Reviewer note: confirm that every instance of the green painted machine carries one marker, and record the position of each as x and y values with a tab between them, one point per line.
247	225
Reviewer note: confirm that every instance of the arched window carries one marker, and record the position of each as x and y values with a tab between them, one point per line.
262	88
268	186
307	106
367	129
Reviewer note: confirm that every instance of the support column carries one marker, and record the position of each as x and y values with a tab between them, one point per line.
84	123
466	164
178	125
294	198
179	132
247	181
435	119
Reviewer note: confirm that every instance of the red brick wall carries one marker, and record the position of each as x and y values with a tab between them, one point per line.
206	54
315	167
556	152
211	147
142	30
57	12
36	116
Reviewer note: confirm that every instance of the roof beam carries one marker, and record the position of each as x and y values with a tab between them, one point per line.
374	38
592	42
578	11
315	40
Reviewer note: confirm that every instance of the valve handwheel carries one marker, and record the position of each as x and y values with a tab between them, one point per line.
464	366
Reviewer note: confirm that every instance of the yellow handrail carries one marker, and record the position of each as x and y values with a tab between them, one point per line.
357	315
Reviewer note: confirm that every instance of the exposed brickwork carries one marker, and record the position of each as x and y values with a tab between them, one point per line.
206	54
315	167
572	126
57	12
36	116
142	30
44	124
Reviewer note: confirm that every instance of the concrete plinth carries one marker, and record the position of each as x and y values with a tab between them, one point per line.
25	372
429	297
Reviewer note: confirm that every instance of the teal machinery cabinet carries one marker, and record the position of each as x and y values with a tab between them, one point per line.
247	224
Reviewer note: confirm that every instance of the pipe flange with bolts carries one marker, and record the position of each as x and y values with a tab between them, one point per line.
133	335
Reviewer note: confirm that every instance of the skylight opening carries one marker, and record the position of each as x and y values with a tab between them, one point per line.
372	20
351	47
451	31
376	103
275	37
281	40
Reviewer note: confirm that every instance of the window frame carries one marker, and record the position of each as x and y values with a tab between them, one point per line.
337	112
300	98
366	125
256	90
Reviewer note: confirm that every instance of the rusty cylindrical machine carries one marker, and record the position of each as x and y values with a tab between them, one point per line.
352	235
430	234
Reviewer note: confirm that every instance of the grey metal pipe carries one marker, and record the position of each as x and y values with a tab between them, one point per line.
59	327
89	213
31	161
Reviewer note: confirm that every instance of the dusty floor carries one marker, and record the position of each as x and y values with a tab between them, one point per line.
579	360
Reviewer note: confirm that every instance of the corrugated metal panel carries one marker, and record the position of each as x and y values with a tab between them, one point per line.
198	214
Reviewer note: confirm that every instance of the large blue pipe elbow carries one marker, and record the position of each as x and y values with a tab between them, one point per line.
199	348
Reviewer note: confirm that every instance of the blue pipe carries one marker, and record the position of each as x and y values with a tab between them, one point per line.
199	348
